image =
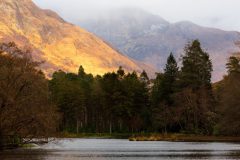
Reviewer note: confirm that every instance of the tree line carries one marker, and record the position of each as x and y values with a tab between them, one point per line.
114	102
181	99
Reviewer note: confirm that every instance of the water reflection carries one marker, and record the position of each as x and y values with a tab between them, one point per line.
110	149
24	154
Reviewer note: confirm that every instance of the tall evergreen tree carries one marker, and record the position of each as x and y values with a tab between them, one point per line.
144	77
120	72
196	92
171	69
229	104
233	65
197	66
165	84
170	78
81	72
162	93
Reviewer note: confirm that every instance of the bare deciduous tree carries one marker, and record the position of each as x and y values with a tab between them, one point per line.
25	108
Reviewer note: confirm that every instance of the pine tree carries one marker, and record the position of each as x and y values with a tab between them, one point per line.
162	93
196	91
170	77
144	77
120	72
233	65
171	69
229	104
197	66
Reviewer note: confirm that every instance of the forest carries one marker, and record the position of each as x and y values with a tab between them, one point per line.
181	99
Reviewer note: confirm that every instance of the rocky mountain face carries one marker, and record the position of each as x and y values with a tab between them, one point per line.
60	44
149	38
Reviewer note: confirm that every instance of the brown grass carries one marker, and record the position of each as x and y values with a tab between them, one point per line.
184	138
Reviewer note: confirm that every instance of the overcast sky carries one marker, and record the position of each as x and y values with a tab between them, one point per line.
224	14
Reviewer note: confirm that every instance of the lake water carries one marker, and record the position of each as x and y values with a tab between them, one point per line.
114	149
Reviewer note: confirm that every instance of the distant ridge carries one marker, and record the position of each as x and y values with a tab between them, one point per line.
149	38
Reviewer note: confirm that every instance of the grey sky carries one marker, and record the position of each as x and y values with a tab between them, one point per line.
224	14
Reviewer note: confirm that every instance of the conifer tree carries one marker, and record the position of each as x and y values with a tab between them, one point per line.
162	93
81	72
197	66
233	65
229	104
144	77
170	77
196	91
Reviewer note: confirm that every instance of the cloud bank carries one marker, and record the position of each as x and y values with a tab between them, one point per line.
223	14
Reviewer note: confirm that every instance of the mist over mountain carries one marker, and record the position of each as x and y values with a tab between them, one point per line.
149	38
59	44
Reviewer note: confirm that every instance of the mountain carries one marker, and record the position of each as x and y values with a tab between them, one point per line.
237	54
60	44
150	38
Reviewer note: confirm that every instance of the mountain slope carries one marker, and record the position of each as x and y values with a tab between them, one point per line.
237	53
60	44
149	38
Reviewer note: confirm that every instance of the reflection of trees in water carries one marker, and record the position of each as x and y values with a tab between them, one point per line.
39	154
25	154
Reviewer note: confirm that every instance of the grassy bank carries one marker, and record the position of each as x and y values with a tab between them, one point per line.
10	142
153	137
183	138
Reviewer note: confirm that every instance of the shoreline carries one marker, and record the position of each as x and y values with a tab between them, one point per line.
135	137
184	138
154	137
96	135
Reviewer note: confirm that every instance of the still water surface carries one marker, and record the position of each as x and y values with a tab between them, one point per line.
113	149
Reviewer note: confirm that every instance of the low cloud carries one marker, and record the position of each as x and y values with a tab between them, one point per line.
223	14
